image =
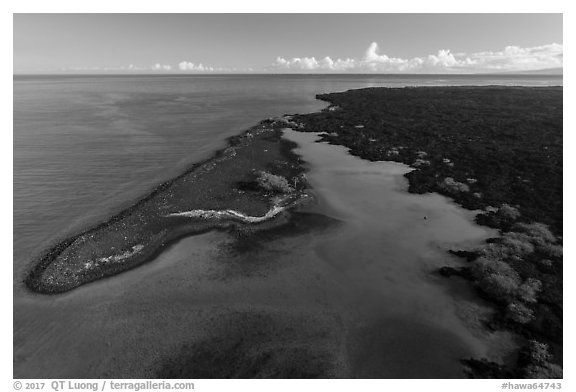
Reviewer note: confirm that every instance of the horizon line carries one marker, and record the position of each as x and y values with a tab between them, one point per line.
506	73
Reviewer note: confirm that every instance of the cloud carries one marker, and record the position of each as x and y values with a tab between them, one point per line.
311	64
191	67
372	57
512	58
160	67
516	58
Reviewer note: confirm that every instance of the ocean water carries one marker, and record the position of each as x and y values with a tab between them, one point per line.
85	147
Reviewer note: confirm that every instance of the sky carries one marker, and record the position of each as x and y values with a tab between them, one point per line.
286	43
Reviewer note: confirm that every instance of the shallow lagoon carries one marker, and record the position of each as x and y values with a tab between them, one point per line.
412	323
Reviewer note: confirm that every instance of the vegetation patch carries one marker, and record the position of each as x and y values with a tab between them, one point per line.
273	183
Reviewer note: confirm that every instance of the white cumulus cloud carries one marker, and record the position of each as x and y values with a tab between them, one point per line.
161	67
517	58
191	67
512	58
311	64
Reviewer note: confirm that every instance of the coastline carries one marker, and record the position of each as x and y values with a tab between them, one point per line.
495	149
232	170
438	131
267	135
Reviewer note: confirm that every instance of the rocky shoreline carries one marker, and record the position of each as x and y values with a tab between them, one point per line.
252	182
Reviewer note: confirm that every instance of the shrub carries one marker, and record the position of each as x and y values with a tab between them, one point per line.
510	245
528	290
483	267
494	251
499	288
273	183
549	370
453	186
538	353
546	263
522	237
507	249
419	162
551	250
538	231
517	244
519	313
536	359
507	212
